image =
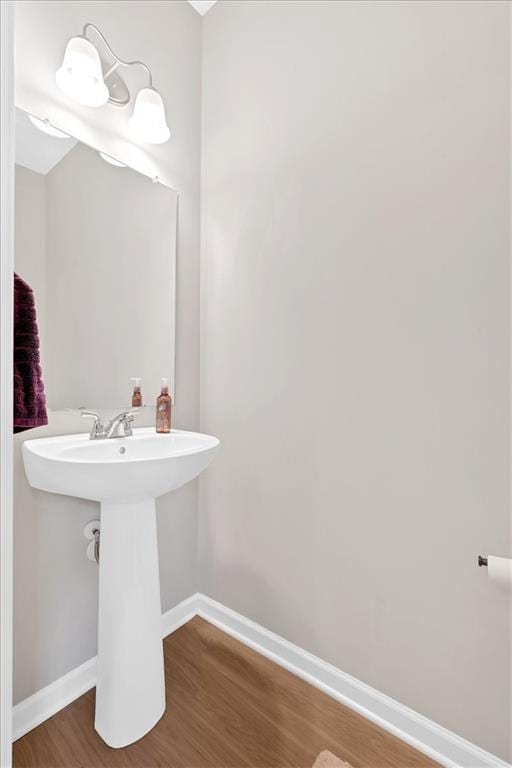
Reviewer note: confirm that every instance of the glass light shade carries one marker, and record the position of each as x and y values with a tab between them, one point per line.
111	160
148	122
80	76
46	127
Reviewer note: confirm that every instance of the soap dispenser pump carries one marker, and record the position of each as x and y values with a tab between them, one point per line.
137	393
163	409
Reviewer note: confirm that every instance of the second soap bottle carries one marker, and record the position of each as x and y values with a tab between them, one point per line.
163	409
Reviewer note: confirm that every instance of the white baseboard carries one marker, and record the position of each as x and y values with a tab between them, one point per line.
33	711
441	745
179	615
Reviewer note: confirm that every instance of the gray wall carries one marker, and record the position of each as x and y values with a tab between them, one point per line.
355	342
30	239
55	586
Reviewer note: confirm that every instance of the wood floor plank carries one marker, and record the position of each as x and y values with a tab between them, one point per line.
227	707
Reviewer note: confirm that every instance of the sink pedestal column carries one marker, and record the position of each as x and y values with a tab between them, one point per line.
130	688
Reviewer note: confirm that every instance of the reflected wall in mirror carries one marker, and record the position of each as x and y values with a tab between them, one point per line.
97	244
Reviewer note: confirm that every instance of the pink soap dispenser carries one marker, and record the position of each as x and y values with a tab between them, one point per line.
137	392
163	409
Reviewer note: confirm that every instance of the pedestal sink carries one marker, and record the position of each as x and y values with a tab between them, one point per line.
125	475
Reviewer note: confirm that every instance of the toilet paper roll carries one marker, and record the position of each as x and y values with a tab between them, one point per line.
500	571
90	551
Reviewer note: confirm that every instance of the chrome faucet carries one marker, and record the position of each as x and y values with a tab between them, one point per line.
118	426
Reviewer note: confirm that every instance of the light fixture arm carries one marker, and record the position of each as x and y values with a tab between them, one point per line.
118	61
90	76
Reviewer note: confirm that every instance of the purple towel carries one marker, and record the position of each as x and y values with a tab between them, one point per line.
29	397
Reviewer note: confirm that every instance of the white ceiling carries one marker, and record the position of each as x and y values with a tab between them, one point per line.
202	6
36	150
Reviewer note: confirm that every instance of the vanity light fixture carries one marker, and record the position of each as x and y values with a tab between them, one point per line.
80	77
92	79
111	160
147	122
46	127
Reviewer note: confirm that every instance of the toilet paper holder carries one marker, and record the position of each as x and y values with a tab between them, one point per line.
482	561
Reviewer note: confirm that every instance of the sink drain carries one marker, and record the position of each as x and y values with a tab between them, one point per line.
122	449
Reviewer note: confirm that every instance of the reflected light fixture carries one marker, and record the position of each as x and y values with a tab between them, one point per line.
46	127
111	160
92	79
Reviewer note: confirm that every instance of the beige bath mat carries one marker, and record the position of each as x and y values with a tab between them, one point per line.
326	759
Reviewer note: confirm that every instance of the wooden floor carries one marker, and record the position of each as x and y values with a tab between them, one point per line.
227	707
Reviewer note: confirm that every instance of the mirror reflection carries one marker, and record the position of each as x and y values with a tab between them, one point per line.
95	241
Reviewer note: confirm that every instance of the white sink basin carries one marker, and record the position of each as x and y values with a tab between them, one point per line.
146	465
125	475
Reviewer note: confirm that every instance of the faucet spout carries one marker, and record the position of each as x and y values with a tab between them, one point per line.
119	426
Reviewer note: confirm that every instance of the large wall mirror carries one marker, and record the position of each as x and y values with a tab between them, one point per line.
96	242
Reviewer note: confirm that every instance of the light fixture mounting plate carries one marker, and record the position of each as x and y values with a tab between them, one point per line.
118	93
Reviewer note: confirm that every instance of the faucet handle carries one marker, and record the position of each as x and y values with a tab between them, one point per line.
127	413
96	427
86	412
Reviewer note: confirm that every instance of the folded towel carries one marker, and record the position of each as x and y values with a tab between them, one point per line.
28	395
